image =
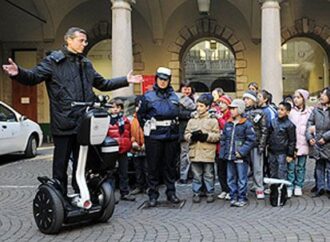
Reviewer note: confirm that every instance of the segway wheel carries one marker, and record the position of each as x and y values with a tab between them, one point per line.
106	198
48	211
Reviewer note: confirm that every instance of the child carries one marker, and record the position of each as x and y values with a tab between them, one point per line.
202	133
120	130
319	140
187	107
257	117
223	115
138	152
236	143
299	116
282	142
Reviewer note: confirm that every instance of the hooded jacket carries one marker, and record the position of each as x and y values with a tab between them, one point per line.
299	119
237	137
203	151
320	118
69	77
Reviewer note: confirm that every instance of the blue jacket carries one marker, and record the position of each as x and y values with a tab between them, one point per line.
160	105
239	137
270	114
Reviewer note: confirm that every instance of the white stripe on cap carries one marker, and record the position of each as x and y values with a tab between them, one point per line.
250	96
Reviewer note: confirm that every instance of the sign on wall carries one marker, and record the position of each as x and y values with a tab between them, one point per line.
148	82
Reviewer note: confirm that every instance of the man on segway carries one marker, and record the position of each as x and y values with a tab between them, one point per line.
69	77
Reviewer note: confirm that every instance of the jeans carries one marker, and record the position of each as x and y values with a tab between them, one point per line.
296	171
237	179
203	171
322	173
278	166
184	160
257	160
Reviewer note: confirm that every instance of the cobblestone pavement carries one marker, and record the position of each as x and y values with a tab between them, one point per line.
304	218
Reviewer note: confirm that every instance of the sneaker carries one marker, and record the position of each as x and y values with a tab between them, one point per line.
210	198
260	195
128	197
136	191
196	198
240	204
297	191
289	192
232	203
267	191
227	196
222	195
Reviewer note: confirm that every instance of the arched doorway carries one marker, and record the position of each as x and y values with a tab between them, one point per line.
209	64
100	56
305	65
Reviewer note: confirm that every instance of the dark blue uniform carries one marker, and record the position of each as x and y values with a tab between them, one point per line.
161	106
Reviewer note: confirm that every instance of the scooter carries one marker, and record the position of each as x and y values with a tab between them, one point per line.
96	163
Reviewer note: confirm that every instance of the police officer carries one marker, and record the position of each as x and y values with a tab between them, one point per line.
158	115
69	77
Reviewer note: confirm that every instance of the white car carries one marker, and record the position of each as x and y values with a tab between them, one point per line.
17	133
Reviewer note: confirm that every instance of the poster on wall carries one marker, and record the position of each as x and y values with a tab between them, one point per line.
148	82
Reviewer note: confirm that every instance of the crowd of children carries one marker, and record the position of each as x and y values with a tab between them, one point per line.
234	140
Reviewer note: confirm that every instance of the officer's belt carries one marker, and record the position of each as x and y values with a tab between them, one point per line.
164	123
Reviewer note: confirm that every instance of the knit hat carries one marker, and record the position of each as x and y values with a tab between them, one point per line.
304	93
251	94
225	99
239	104
205	98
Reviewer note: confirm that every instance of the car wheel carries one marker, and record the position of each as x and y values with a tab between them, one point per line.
31	148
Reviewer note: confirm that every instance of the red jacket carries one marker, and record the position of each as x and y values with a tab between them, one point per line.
124	139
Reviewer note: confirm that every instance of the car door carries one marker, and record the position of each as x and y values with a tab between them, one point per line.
9	131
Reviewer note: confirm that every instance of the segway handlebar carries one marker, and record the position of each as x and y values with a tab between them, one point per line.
91	104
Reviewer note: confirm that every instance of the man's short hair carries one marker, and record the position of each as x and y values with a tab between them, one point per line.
71	32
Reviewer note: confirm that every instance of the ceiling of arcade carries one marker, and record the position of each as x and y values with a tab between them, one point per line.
53	16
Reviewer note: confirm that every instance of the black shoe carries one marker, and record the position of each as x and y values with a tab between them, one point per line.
173	198
319	193
314	189
152	202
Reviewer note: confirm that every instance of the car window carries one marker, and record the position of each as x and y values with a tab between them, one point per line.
6	115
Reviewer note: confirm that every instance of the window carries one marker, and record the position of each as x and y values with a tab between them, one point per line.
305	65
209	64
6	115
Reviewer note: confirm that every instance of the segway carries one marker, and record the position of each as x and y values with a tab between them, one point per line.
52	208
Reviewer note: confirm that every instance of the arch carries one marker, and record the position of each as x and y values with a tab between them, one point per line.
102	31
209	28
306	27
200	87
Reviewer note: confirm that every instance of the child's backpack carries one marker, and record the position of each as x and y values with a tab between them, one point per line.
278	194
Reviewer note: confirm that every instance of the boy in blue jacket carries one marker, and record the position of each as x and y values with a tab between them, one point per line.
237	141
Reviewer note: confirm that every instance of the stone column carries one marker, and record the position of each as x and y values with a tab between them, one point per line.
122	53
271	56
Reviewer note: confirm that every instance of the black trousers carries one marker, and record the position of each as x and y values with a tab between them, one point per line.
64	147
222	174
141	171
161	159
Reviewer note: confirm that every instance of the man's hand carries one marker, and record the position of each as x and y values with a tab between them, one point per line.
11	69
238	155
134	78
